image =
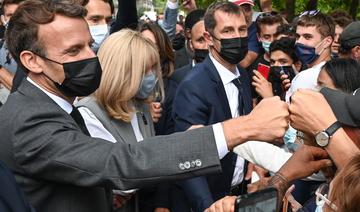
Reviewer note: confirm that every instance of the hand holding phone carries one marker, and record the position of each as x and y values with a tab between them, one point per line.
264	70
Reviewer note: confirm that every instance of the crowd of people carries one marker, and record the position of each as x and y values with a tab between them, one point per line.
105	112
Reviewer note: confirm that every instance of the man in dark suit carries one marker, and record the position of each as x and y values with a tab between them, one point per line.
194	30
216	90
44	140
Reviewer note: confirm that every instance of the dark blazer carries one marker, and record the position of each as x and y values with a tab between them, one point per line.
165	125
201	99
181	73
12	197
61	169
182	58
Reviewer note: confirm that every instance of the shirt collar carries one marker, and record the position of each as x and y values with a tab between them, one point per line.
225	74
60	101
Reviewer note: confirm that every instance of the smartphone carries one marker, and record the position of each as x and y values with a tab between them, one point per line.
264	70
261	201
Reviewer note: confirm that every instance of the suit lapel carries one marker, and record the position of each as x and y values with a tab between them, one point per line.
219	88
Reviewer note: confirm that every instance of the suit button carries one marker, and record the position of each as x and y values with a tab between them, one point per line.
198	162
181	166
193	164
187	165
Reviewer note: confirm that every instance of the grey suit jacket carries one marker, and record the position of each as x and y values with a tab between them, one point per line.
120	130
63	170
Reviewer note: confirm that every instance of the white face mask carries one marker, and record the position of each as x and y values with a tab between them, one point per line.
99	33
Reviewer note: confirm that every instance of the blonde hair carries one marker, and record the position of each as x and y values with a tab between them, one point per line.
124	57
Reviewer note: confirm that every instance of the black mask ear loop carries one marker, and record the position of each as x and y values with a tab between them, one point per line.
213	36
48	59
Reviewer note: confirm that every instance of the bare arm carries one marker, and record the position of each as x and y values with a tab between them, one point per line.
6	78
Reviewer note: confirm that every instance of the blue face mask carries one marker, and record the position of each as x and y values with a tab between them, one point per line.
307	54
147	86
99	33
266	46
289	139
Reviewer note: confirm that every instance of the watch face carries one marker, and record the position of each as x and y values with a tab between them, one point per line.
322	139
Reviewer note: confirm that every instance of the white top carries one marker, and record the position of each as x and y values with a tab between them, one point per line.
172	5
269	156
305	79
232	93
266	155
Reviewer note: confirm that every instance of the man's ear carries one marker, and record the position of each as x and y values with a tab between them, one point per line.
31	62
329	40
188	34
208	38
355	51
191	45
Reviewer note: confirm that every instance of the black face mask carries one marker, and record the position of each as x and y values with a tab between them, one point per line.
82	77
200	54
233	50
178	42
277	71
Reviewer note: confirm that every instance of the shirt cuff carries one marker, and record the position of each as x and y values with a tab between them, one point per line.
220	140
172	5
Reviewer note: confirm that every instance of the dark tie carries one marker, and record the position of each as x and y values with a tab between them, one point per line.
237	83
75	114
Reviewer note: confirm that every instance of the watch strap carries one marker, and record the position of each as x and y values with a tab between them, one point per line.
333	128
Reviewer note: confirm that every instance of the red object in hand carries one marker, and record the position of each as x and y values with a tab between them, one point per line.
264	70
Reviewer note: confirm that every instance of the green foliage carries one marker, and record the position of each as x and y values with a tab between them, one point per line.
324	6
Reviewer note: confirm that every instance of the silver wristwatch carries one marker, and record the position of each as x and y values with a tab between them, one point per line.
322	138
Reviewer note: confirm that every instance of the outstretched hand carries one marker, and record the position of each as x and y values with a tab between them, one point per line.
304	162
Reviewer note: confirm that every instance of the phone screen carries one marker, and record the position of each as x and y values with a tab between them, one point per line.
260	201
264	70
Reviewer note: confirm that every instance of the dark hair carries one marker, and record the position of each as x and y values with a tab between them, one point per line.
193	17
286	45
322	22
164	45
227	7
287	30
341	18
85	2
340	14
268	18
345	73
6	2
22	32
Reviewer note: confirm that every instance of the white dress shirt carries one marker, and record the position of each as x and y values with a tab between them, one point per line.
232	93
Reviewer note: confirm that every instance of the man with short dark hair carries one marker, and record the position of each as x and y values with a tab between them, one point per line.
194	31
216	90
342	19
266	25
46	143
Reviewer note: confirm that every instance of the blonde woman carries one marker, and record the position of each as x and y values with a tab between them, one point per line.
117	111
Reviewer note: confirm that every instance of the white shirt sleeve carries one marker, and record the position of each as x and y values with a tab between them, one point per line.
266	155
220	140
172	5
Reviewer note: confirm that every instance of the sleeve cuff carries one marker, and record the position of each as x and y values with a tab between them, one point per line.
220	140
172	5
